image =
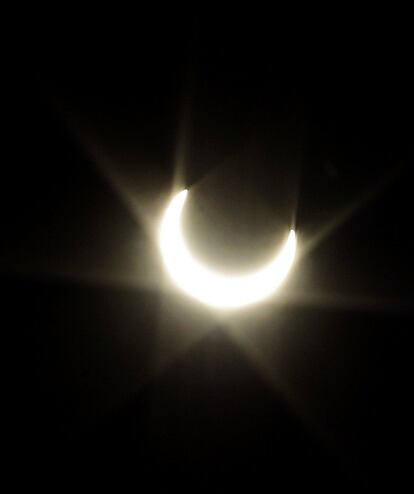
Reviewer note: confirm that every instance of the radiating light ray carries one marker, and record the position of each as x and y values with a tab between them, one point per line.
120	184
346	302
88	277
99	157
347	212
181	146
139	200
292	398
172	346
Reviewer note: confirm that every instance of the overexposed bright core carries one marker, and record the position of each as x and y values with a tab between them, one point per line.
211	287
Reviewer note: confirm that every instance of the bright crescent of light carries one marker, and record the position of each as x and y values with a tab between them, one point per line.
208	286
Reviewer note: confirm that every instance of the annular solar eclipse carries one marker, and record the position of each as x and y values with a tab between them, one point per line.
207	285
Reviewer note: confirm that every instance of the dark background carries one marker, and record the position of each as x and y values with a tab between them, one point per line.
111	371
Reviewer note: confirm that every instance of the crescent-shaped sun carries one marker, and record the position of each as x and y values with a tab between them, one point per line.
208	286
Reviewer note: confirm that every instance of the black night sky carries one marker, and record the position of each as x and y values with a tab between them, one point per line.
113	372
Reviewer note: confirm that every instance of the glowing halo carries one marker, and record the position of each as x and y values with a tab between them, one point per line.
210	287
